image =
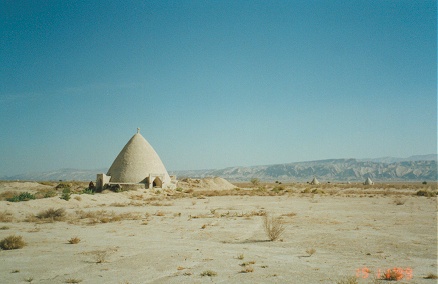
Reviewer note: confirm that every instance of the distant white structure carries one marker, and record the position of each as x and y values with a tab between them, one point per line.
368	181
314	181
137	163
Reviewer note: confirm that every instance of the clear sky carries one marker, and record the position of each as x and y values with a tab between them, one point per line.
214	84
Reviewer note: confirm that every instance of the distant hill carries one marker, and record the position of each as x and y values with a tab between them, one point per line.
414	168
62	174
327	170
389	160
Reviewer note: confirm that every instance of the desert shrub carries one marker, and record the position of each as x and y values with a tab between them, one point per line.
88	191
6	217
63	185
255	181
307	190
12	242
208	273
399	201
52	214
66	194
114	187
247	269
24	196
431	276
393	274
424	182
50	193
273	226
74	240
310	251
7	194
277	189
101	256
73	280
426	193
348	280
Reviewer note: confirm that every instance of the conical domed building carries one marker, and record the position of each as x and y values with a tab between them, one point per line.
137	163
314	181
368	181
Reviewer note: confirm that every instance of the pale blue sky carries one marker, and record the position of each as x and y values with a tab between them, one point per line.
213	84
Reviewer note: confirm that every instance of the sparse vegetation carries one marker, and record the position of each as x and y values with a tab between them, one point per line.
310	251
6	217
209	273
24	196
88	191
247	269
241	256
255	181
431	276
66	194
348	280
273	227
426	193
73	280
101	256
393	274
399	201
51	215
74	240
28	279
12	242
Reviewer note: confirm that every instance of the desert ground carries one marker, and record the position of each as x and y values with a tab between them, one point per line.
211	232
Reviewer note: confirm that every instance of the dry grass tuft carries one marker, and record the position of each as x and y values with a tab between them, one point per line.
247	269
8	195
103	216
310	251
72	280
74	240
274	227
393	274
100	256
431	276
399	201
12	242
49	215
6	217
209	273
348	280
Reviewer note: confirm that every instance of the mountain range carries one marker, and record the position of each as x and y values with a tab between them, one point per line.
414	168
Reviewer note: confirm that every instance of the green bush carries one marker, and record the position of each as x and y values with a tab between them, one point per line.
24	196
66	194
88	191
50	193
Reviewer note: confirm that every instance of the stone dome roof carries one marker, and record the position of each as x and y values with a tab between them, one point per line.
136	162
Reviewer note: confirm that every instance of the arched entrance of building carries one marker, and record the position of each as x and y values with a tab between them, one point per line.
157	182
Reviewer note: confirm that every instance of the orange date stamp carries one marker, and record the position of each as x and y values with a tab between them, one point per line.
396	273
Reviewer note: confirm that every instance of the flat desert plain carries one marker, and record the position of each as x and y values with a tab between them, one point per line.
333	233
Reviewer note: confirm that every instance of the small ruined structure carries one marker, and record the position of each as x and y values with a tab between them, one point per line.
314	181
368	181
136	164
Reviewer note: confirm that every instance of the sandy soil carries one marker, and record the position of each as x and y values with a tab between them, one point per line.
146	237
